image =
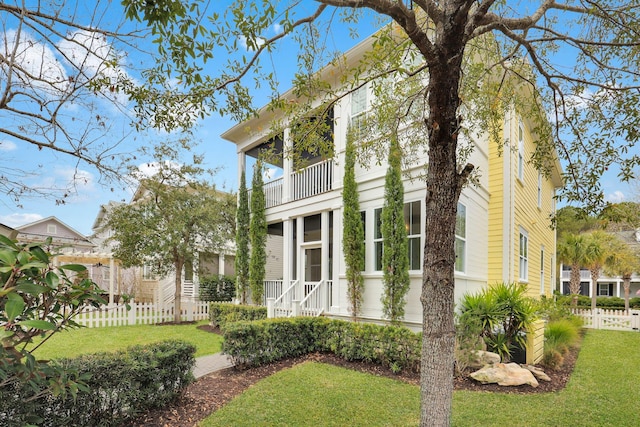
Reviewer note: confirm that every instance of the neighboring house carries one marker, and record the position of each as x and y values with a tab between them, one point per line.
7	231
72	247
148	287
607	286
503	231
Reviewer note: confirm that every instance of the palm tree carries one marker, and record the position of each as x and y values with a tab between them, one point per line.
571	251
597	254
623	262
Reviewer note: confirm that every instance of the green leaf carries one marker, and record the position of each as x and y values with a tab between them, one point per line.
7	257
33	264
8	242
74	267
38	324
4	334
14	306
6	269
31	288
52	280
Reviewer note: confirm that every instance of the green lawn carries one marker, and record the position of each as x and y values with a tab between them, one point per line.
601	392
74	342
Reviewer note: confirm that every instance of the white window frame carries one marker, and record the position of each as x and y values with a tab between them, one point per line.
147	273
377	241
523	256
414	236
359	108
52	229
600	287
521	151
461	240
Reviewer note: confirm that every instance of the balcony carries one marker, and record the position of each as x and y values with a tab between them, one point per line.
310	181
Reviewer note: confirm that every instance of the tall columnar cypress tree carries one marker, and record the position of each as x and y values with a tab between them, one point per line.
395	256
258	236
353	232
242	242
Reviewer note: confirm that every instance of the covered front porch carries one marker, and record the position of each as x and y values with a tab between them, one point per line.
306	285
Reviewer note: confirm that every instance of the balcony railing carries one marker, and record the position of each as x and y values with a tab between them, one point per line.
310	181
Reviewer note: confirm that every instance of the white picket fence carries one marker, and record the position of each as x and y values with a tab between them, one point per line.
141	314
617	320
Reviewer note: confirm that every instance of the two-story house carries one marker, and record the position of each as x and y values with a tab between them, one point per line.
503	228
143	284
72	247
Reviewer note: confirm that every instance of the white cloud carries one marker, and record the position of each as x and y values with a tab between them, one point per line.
18	219
34	64
277	28
6	145
271	173
147	170
243	42
615	197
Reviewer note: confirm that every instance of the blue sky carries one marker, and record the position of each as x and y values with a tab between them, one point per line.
81	208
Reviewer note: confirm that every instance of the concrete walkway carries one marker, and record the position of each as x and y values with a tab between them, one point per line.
211	363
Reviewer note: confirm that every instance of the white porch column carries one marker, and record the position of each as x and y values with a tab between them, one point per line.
287	253
324	236
325	256
287	165
300	258
241	164
618	288
338	258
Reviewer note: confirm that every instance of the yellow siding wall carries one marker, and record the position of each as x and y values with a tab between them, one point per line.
534	219
496	212
514	204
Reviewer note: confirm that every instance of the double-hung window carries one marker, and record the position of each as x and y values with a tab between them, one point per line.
412	222
524	255
377	238
358	109
521	151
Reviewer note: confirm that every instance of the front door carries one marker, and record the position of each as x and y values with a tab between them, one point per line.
312	268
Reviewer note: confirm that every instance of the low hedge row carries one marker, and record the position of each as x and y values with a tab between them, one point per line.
221	313
121	385
266	341
612	303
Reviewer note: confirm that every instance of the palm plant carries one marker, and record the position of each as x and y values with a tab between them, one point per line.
504	313
596	256
571	250
623	262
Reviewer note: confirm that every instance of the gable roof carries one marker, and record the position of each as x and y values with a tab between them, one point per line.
7	231
39	230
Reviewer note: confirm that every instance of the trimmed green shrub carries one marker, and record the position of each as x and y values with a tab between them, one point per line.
214	288
115	387
266	341
609	303
220	314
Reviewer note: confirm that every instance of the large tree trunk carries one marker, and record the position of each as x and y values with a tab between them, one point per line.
574	283
444	184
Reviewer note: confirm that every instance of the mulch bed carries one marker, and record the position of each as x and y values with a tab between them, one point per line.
213	391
